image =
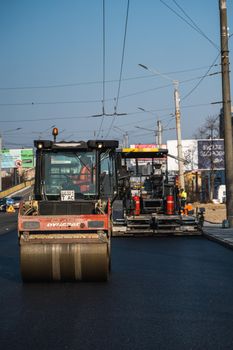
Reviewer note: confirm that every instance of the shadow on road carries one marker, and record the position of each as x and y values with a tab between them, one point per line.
9	257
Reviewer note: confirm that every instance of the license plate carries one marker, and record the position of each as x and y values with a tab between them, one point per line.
67	195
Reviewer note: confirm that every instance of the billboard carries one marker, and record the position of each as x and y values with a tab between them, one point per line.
189	148
15	158
197	154
148	145
211	154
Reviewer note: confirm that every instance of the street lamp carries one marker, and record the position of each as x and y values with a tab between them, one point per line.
158	134
155	132
125	136
178	124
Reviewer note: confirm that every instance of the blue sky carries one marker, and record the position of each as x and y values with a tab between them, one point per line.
52	67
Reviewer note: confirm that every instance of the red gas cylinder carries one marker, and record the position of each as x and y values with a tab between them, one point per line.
136	200
170	205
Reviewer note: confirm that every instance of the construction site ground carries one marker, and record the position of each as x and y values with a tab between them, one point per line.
213	228
214	213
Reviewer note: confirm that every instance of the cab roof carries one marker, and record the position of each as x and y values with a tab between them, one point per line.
143	152
84	145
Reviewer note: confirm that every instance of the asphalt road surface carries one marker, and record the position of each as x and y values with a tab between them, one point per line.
164	293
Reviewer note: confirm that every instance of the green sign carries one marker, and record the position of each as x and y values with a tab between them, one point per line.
16	158
27	158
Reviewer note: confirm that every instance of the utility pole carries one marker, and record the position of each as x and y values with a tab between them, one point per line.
0	162
126	140
178	126
178	135
226	97
159	132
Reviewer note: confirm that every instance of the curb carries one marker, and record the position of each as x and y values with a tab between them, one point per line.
225	242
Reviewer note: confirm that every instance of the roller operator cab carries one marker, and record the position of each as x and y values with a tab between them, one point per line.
64	231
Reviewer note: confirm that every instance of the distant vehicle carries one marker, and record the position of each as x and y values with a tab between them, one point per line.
17	200
4	202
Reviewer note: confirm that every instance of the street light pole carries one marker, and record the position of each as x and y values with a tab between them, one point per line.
178	123
226	96
125	141
0	162
159	132
178	135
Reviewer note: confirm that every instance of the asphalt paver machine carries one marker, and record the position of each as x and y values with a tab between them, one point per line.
64	230
148	201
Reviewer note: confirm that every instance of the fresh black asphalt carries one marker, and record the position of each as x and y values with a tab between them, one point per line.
164	293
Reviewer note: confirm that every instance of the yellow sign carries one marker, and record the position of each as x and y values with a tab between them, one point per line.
10	209
129	150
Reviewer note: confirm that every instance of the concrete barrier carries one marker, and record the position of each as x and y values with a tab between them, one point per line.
16	188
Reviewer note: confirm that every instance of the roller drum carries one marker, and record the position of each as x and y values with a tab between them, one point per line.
64	262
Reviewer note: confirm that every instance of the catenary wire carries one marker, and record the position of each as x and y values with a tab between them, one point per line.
192	26
167	85
206	74
121	70
43	119
99	81
109	99
90	116
169	109
194	23
201	79
104	58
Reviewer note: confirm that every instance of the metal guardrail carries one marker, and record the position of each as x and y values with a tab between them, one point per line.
16	188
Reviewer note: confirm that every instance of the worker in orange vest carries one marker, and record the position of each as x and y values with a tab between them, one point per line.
85	178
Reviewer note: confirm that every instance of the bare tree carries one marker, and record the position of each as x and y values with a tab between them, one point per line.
209	129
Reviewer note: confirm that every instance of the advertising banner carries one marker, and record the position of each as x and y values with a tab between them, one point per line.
15	158
189	149
211	155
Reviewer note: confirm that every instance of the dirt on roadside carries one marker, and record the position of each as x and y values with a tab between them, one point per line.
215	213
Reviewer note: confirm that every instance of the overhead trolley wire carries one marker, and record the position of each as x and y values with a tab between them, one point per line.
165	116
202	78
103	114
206	74
121	70
123	56
48	103
196	26
98	82
104	55
109	99
42	119
104	59
193	26
170	84
91	116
